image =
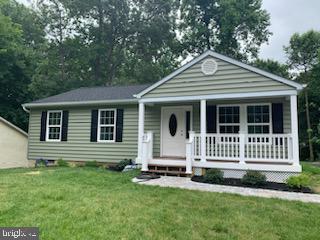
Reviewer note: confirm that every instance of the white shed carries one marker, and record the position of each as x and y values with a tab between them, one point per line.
13	145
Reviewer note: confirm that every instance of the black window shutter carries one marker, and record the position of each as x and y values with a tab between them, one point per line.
94	125
211	119
119	125
187	123
277	117
65	120
43	126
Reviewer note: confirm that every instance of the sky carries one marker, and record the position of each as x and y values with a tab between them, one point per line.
288	17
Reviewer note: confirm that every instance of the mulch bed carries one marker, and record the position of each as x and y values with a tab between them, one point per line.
269	185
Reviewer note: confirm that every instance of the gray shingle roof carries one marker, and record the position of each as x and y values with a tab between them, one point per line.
95	94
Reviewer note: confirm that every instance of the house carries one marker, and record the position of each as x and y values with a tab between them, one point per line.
213	112
13	145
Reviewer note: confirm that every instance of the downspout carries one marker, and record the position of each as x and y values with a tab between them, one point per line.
25	109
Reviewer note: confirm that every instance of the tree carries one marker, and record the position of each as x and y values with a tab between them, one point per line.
106	43
64	61
17	58
273	66
236	28
153	48
303	52
13	74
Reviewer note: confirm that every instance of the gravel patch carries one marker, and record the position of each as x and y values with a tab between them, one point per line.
186	183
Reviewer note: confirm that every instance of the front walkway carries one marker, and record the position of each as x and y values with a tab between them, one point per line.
186	183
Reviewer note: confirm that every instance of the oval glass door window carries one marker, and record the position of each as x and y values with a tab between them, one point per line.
173	125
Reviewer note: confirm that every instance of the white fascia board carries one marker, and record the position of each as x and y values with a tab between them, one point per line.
81	103
220	96
291	83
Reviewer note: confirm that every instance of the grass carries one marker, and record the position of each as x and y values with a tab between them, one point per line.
92	203
314	172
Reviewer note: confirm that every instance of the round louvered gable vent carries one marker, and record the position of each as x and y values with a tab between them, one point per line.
209	67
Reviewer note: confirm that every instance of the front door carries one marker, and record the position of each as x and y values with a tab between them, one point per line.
173	131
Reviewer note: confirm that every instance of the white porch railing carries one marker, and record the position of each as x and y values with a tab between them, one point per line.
245	147
233	148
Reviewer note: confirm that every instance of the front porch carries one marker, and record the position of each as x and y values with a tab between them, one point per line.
235	140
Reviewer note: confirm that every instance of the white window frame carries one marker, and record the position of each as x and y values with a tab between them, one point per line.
259	124
48	126
228	124
114	125
244	117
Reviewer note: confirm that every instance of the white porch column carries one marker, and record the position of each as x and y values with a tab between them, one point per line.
203	128
294	129
140	132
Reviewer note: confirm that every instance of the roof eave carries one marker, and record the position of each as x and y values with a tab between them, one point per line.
79	103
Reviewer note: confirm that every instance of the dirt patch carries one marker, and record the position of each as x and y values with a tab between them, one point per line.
33	173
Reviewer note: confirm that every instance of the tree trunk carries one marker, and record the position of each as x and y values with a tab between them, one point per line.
309	129
97	67
61	47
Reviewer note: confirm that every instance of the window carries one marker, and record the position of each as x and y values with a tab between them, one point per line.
54	122
258	119
229	119
107	125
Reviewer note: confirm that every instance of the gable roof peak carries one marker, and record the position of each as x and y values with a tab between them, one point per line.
222	57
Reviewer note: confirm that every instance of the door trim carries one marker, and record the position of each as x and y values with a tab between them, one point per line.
186	108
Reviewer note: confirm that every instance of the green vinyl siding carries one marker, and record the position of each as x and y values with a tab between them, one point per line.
229	78
153	123
78	147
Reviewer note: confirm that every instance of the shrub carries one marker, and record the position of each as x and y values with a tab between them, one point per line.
299	181
254	178
91	164
121	165
213	176
62	163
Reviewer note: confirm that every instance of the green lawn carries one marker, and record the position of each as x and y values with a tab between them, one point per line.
89	203
313	170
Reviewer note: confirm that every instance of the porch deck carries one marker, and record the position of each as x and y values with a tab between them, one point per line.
265	152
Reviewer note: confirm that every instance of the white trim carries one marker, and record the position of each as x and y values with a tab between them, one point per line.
294	129
224	58
140	131
203	128
48	126
82	103
260	124
107	125
229	165
13	126
228	124
243	117
186	108
168	162
248	166
220	96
